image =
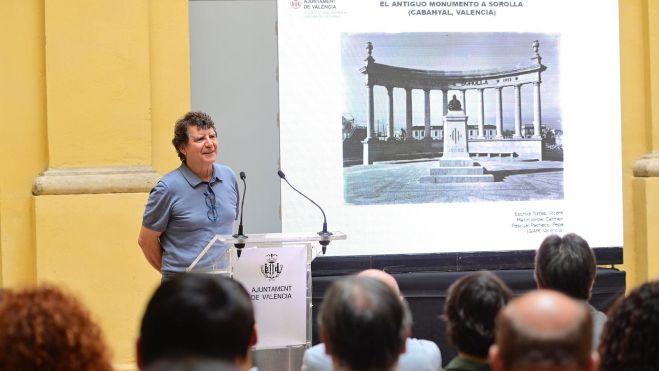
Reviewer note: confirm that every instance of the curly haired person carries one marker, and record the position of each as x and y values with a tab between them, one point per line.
45	329
630	340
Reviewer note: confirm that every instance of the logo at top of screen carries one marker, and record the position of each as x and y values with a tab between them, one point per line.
295	4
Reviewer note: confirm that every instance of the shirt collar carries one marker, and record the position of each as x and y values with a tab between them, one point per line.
194	180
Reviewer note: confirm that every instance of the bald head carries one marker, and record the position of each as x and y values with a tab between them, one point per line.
362	323
543	330
382	276
545	311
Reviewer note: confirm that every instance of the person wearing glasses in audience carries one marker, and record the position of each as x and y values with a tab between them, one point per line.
191	204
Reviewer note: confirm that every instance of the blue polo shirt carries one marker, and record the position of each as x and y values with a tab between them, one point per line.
178	206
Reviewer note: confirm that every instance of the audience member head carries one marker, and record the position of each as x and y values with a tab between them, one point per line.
470	310
543	330
630	340
45	329
198	315
362	323
566	264
383	277
390	281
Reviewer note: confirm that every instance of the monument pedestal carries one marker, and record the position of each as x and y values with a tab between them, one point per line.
372	150
456	166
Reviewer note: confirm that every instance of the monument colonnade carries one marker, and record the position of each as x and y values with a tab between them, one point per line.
446	81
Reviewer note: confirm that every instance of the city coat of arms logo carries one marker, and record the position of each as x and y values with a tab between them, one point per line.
271	269
295	4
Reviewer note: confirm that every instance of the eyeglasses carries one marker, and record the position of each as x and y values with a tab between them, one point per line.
210	202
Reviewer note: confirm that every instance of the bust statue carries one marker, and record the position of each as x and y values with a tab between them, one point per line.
454	104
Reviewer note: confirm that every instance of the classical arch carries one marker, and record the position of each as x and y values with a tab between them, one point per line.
458	83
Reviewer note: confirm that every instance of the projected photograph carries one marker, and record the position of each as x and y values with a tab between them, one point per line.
451	117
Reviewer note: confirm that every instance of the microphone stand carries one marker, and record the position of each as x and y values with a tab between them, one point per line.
240	236
324	234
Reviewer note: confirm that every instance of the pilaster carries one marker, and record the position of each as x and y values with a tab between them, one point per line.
640	130
117	78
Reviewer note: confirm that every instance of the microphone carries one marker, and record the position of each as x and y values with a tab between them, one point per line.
324	233
240	236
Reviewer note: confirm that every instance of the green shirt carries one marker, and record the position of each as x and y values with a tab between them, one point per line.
463	364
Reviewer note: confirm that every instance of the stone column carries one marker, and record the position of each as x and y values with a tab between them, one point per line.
390	133
426	93
481	114
537	112
408	113
499	114
463	93
370	135
518	112
444	102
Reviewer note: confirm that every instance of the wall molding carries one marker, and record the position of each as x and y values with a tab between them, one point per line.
647	166
94	180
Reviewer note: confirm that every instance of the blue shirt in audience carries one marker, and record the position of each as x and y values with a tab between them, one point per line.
420	355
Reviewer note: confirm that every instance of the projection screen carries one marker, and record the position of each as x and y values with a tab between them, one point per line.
444	126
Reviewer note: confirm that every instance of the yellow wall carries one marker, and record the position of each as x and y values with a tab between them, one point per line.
23	146
98	82
101	93
105	90
632	76
647	242
639	47
170	77
87	243
653	70
651	201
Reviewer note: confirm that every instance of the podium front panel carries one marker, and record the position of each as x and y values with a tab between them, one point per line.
276	280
